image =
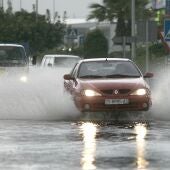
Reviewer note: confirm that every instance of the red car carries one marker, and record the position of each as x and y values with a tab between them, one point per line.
108	85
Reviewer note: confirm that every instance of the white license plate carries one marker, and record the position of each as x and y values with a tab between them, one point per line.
116	101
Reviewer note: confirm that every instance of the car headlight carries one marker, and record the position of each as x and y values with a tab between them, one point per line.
140	92
23	79
90	93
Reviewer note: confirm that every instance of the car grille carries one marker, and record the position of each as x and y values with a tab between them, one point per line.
120	91
131	106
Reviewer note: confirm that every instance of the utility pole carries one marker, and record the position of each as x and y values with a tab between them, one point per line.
20	5
124	46
2	4
147	45
36	10
53	11
133	48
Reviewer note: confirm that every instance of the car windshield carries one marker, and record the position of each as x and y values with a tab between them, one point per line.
108	69
65	61
12	54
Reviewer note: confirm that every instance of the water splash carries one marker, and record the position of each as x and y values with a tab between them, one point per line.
41	98
161	95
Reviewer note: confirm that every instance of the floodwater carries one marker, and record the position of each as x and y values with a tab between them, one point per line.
51	145
38	131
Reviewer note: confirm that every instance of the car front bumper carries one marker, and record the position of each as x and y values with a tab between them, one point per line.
97	104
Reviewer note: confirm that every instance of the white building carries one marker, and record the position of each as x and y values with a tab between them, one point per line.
78	29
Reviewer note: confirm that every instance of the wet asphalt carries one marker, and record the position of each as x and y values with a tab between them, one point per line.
86	145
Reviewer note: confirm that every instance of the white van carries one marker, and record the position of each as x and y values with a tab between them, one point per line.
53	60
13	61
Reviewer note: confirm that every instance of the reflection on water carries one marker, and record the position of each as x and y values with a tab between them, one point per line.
88	131
141	131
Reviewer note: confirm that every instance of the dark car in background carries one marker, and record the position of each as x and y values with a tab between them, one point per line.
108	85
13	62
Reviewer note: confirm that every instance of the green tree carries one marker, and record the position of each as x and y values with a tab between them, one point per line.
96	45
118	10
21	27
48	15
64	16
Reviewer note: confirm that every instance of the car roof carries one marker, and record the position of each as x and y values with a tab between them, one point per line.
104	59
12	45
61	55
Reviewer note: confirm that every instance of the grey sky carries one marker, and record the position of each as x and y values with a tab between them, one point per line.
74	8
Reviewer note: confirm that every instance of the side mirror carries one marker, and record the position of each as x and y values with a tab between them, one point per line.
49	65
34	60
68	77
148	75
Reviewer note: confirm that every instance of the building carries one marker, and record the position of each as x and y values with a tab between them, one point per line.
77	30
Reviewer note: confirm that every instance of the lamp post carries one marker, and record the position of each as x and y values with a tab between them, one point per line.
20	5
2	4
36	10
53	11
133	53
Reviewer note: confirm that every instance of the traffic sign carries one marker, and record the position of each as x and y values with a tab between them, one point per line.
167	29
72	33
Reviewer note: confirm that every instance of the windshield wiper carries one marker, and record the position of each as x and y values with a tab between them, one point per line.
91	76
122	75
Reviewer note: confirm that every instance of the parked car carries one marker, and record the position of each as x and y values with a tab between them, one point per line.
108	85
59	60
13	61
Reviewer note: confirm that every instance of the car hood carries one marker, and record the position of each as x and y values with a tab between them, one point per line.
119	83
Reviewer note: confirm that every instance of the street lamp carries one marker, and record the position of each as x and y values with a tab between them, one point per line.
53	10
20	5
36	10
2	4
133	28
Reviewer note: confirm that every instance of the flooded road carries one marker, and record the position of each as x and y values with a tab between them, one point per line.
37	138
35	145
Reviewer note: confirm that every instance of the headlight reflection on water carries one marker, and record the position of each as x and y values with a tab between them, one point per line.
141	131
89	131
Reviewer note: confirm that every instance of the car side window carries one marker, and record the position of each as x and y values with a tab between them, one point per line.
49	60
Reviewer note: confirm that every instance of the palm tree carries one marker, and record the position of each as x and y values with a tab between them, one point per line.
119	10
